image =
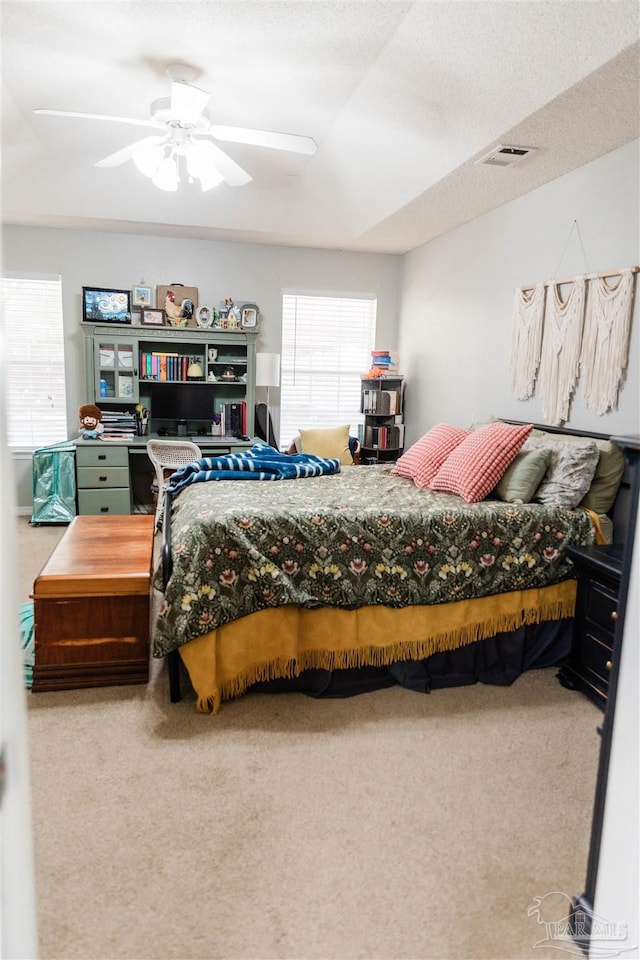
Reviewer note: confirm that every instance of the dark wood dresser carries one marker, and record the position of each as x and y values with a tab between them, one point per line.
588	668
610	577
91	602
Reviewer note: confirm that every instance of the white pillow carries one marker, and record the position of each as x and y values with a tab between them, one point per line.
570	472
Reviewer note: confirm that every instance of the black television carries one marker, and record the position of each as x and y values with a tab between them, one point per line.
171	402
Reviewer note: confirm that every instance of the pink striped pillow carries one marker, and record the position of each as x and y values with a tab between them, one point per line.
422	461
479	462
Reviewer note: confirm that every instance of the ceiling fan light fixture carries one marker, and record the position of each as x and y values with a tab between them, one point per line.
209	179
166	176
177	121
200	166
148	158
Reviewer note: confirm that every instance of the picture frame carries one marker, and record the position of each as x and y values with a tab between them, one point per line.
106	305
142	296
153	317
249	316
205	316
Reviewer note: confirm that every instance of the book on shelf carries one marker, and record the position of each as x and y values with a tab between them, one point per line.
233	419
384	361
381	402
125	385
384	437
166	366
388	401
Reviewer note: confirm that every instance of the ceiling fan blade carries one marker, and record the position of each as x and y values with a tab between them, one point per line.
94	116
187	102
230	170
265	138
120	156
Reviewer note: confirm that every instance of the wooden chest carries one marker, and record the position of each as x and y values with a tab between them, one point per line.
91	604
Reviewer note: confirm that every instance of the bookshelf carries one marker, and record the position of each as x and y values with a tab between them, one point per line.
382	433
177	374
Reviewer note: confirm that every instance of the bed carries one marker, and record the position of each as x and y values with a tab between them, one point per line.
359	577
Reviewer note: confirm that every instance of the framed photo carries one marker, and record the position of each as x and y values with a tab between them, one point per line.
205	316
142	296
153	318
249	316
105	305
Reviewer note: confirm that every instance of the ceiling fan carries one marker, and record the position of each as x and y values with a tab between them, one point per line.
186	132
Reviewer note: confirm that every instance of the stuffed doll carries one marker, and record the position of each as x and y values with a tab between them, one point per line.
90	421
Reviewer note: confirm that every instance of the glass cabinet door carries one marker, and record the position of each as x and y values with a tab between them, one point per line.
116	370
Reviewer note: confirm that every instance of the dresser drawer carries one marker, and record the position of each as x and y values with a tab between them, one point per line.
94	502
598	569
596	656
601	607
102	456
103	477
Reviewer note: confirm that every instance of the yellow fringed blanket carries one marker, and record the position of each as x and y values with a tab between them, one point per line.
283	642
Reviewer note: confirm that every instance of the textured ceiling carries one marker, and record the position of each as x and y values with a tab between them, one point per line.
400	97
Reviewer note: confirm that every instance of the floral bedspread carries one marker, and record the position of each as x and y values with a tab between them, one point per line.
359	537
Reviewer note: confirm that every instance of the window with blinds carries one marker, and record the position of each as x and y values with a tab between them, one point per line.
326	348
34	361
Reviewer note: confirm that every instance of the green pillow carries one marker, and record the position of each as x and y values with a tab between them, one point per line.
609	471
523	477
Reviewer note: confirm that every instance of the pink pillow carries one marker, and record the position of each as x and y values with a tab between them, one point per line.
478	463
422	461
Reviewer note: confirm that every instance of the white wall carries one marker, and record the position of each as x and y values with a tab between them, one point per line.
244	271
458	293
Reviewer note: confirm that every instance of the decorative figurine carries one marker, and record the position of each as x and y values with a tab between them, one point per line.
90	421
178	315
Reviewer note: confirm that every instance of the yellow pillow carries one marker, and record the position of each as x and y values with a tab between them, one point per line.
333	443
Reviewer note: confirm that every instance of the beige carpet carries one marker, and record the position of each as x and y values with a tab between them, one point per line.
391	825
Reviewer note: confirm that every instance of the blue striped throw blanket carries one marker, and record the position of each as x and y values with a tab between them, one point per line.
27	641
260	462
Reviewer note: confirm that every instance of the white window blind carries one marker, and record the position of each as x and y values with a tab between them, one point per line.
326	348
34	363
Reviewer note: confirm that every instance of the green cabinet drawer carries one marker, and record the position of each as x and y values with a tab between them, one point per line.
93	502
102	455
103	477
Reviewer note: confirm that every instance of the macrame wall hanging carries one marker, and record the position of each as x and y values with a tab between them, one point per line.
561	342
526	340
605	342
584	333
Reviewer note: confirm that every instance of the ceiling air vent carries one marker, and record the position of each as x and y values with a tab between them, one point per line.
505	156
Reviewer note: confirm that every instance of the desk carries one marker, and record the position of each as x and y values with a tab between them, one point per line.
115	477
